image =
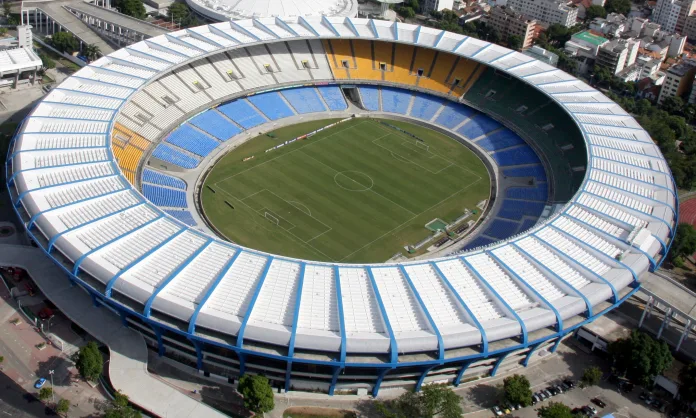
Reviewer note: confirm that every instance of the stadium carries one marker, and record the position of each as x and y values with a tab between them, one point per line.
147	173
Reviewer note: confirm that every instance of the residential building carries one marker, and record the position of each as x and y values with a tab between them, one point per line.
679	81
437	5
542	55
585	44
509	22
612	26
548	12
617	54
690	27
643	68
672	14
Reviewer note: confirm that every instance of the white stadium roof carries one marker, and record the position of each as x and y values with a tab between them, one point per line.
65	178
246	9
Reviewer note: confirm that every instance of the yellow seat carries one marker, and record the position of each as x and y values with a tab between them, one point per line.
401	71
338	50
437	79
365	67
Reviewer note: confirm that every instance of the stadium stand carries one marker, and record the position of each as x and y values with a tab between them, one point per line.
365	68
370	97
477	126
401	70
395	100
183	216
272	105
192	140
516	156
333	97
304	99
341	58
166	153
501	229
215	124
425	106
517	209
453	114
540	192
241	112
163	196
499	140
536	171
155	177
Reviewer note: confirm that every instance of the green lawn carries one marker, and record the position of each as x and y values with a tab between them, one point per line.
357	192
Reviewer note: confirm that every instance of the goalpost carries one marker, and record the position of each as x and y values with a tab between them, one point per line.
271	218
423	145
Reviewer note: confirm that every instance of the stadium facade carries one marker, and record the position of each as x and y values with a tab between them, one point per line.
75	163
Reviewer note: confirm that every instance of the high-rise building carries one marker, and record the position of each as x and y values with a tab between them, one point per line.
562	12
679	80
437	5
672	14
509	22
617	54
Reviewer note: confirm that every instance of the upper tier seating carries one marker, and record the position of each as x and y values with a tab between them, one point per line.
215	124
516	209
540	192
183	216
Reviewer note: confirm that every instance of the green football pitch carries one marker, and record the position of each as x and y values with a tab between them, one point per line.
357	192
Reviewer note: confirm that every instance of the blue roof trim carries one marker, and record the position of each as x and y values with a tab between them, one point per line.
394	349
582	266
502	57
87	93
423	374
551	83
54	238
636	180
280	22
374	28
620	150
460	43
433	325
221	33
417	33
639	196
558	277
499	362
341	318
110	284
395	30
86	199
514	67
257	291
160	59
156	47
78	105
523	327
238	28
202	37
64	118
636	212
572	92
559	318
55	166
352	27
307	25
439	38
296	314
21	196
625	224
330	25
264	28
211	289
485	47
78	262
618	137
172	275
484	338
101	82
133	64
175	40
540	73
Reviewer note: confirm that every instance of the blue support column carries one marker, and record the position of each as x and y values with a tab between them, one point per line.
158	334
394	350
556	344
334	379
431	321
247	315
422	377
95	300
341	318
199	353
242	364
530	353
498	363
295	320
461	372
124	318
378	383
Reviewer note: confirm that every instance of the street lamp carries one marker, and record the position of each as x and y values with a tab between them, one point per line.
53	392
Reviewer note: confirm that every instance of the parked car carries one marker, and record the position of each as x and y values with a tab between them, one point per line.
518	406
558	388
600	403
570	383
644	395
497	411
547	393
552	390
40	383
535	399
565	387
590	408
626	387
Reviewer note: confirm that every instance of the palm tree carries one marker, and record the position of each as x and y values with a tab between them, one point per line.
92	52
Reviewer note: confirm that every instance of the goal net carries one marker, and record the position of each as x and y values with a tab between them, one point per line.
271	218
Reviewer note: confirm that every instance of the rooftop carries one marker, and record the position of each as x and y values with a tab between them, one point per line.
683	67
243	9
587	36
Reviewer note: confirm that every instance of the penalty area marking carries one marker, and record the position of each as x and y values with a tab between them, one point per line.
298	204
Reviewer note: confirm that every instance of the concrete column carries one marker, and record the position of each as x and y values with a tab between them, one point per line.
685	334
16	80
33	80
648	306
668	316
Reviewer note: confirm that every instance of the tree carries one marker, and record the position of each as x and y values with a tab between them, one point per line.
514	42
407	12
64	42
517	390
47	61
434	400
684	243
3	31
89	362
257	393
618	6
45	393
6	8
134	8
63	406
687	380
595	11
555	410
120	409
92	52
557	34
673	105
640	357
178	12
591	376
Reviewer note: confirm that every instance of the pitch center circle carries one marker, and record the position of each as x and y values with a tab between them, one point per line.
354	181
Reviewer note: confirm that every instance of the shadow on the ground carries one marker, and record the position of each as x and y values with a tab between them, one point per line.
20	402
60	366
484	394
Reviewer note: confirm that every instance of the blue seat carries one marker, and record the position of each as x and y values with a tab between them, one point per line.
370	97
478	242
499	140
304	100
517	209
517	156
453	114
162	196
526	224
333	97
272	105
215	124
395	100
183	216
242	113
192	140
166	153
155	177
501	228
536	171
480	125
539	192
425	106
